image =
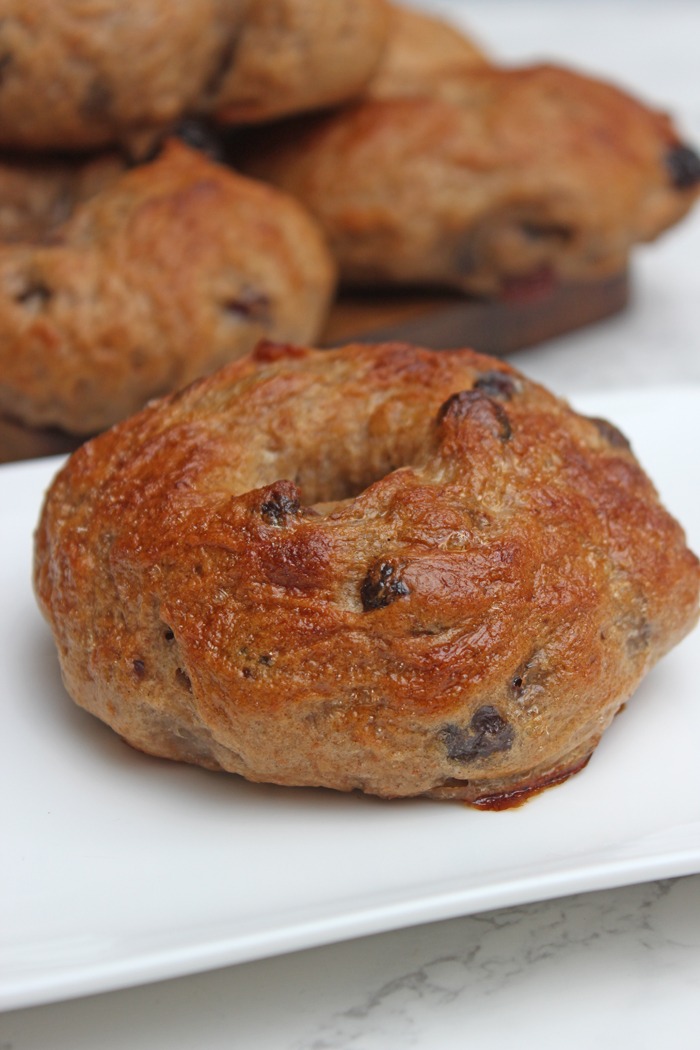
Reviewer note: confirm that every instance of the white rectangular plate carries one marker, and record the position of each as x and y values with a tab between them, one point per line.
120	869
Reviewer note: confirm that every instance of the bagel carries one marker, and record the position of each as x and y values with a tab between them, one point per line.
169	270
77	76
490	178
298	55
377	568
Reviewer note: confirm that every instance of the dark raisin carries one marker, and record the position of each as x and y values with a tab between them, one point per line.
477	405
610	433
266	659
279	507
382	586
198	135
683	164
498	384
168	634
487	733
249	304
139	668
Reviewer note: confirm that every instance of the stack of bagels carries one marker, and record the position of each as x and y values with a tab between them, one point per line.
179	180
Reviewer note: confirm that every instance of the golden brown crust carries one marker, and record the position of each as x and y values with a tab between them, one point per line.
172	269
498	175
377	568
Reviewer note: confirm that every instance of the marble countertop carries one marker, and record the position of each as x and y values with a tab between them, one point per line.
592	969
589	970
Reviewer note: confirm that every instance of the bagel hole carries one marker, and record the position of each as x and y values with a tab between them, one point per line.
335	476
330	493
338	447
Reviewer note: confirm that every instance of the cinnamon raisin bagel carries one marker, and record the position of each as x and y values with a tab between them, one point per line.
166	272
76	75
487	177
377	568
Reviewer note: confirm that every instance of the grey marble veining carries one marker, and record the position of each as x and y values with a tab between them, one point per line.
496	960
598	967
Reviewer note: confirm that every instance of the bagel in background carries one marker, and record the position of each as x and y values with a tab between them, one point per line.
493	176
452	175
377	568
77	76
169	270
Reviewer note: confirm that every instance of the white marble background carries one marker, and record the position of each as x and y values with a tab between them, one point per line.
617	967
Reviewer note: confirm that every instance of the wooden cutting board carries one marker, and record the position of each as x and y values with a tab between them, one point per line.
496	327
440	322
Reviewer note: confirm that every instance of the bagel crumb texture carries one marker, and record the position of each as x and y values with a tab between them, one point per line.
376	568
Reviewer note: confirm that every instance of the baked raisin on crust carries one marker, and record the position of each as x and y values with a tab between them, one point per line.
485	177
377	568
165	272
